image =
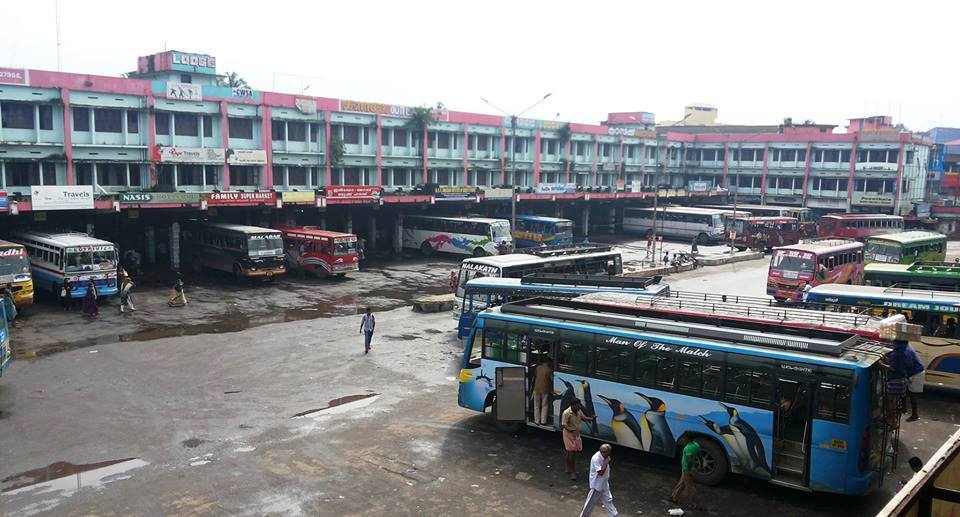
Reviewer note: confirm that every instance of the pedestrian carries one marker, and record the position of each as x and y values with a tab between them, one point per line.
600	483
906	364
689	460
570	421
666	258
586	240
542	388
453	281
694	249
367	325
66	296
126	300
361	252
89	308
9	307
178	298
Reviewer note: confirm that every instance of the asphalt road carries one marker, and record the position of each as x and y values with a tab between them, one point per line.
258	400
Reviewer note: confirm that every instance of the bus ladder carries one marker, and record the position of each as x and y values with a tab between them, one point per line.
890	432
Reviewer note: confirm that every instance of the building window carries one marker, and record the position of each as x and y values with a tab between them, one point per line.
278	175
81	119
134	175
279	130
185	124
189	174
186	78
296	131
893	155
443	140
207	126
83	172
133	122
351	135
297	176
107	121
162	122
244	176
483	143
25	174
518	145
46	117
845	156
366	136
240	128
314	132
400	137
112	174
17	115
352	175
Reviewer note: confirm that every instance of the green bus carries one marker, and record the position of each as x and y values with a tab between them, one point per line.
906	247
938	276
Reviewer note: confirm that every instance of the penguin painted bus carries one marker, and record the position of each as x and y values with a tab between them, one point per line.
796	410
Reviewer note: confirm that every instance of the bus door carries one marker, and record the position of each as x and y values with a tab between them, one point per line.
541	351
792	427
510	405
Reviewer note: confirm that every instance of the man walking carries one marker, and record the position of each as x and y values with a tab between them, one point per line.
570	421
689	459
600	483
367	325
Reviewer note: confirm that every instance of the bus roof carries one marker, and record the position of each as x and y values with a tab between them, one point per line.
4	243
542	219
749	207
822	245
835	349
241	228
911	237
63	238
314	231
893	297
520	259
488	220
766	218
689	210
546	288
864	216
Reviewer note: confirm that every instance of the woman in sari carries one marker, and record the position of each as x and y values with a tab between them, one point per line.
89	307
177	297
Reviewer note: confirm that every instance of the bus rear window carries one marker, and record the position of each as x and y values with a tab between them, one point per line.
833	402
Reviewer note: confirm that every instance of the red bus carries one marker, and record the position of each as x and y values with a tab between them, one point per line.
320	252
764	232
858	226
829	261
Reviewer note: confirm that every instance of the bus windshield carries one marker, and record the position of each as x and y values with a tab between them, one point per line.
564	227
100	260
883	252
265	244
14	265
467	274
344	247
795	262
500	231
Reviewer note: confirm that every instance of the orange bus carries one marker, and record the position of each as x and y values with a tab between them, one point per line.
321	252
828	261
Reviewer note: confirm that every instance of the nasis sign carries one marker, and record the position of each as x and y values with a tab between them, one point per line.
13	76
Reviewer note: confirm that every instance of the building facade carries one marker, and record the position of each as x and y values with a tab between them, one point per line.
172	127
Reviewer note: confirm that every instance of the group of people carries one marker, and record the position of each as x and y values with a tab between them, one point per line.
89	307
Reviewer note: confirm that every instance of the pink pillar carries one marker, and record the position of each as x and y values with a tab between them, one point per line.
379	149
466	151
536	158
621	166
267	177
424	147
897	187
643	162
326	121
806	173
726	164
225	140
67	136
568	160
503	154
152	140
596	160
853	169
763	176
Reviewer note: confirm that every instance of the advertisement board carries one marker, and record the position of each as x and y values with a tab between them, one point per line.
699	186
309	197
230	198
353	192
246	156
184	91
555	188
455	194
13	76
159	198
61	197
204	155
867	199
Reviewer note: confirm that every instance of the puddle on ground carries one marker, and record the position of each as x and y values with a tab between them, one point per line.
339	405
192	443
43	489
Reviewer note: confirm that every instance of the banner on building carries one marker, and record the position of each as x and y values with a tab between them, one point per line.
203	155
307	198
866	199
241	198
497	193
455	194
184	91
241	92
14	76
699	186
355	192
61	197
308	106
555	188
246	157
160	198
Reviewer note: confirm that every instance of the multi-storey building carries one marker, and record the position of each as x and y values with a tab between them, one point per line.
173	127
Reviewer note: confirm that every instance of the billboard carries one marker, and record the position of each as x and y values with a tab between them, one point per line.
61	197
230	198
204	155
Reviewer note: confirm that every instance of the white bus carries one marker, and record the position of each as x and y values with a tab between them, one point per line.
477	236
61	258
704	224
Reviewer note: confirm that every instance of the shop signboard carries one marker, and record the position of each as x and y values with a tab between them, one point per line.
455	194
308	106
699	186
867	199
13	76
159	198
246	157
359	192
203	155
231	198
184	91
61	197
555	188
307	198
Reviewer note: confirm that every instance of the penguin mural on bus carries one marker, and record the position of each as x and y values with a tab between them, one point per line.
737	446
755	459
477	396
588	408
655	431
626	429
568	396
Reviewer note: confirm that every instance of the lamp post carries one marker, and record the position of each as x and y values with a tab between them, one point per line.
513	150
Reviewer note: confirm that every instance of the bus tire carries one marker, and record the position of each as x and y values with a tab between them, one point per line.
426	249
714	462
703	239
478	252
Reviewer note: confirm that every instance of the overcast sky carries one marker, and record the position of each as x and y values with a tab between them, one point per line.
756	61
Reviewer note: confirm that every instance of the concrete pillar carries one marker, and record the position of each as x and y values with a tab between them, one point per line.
91	231
175	247
372	232
151	245
613	219
398	235
349	228
586	220
323	223
557	210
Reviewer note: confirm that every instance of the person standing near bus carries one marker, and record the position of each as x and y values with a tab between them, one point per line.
9	307
453	281
367	325
178	298
126	301
89	307
906	364
570	420
600	483
689	460
542	388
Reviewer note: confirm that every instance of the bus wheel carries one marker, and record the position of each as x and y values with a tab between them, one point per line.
426	249
713	463
703	239
478	252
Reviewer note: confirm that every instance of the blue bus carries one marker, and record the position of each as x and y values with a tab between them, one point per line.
481	293
799	408
6	354
534	231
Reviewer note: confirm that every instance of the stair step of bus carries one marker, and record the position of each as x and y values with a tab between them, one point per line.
790	446
797	470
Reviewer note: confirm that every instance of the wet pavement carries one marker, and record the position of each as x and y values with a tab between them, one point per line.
258	400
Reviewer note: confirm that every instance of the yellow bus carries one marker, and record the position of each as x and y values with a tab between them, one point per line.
15	272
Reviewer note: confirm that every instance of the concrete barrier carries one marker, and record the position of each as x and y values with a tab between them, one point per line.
436	303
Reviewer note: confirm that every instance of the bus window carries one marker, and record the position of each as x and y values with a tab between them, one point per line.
646	368
711	380
516	349
493	344
833	402
573	358
738	385
690	381
761	393
666	372
614	363
476	351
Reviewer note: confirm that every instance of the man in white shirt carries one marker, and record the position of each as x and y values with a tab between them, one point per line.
600	483
367	326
